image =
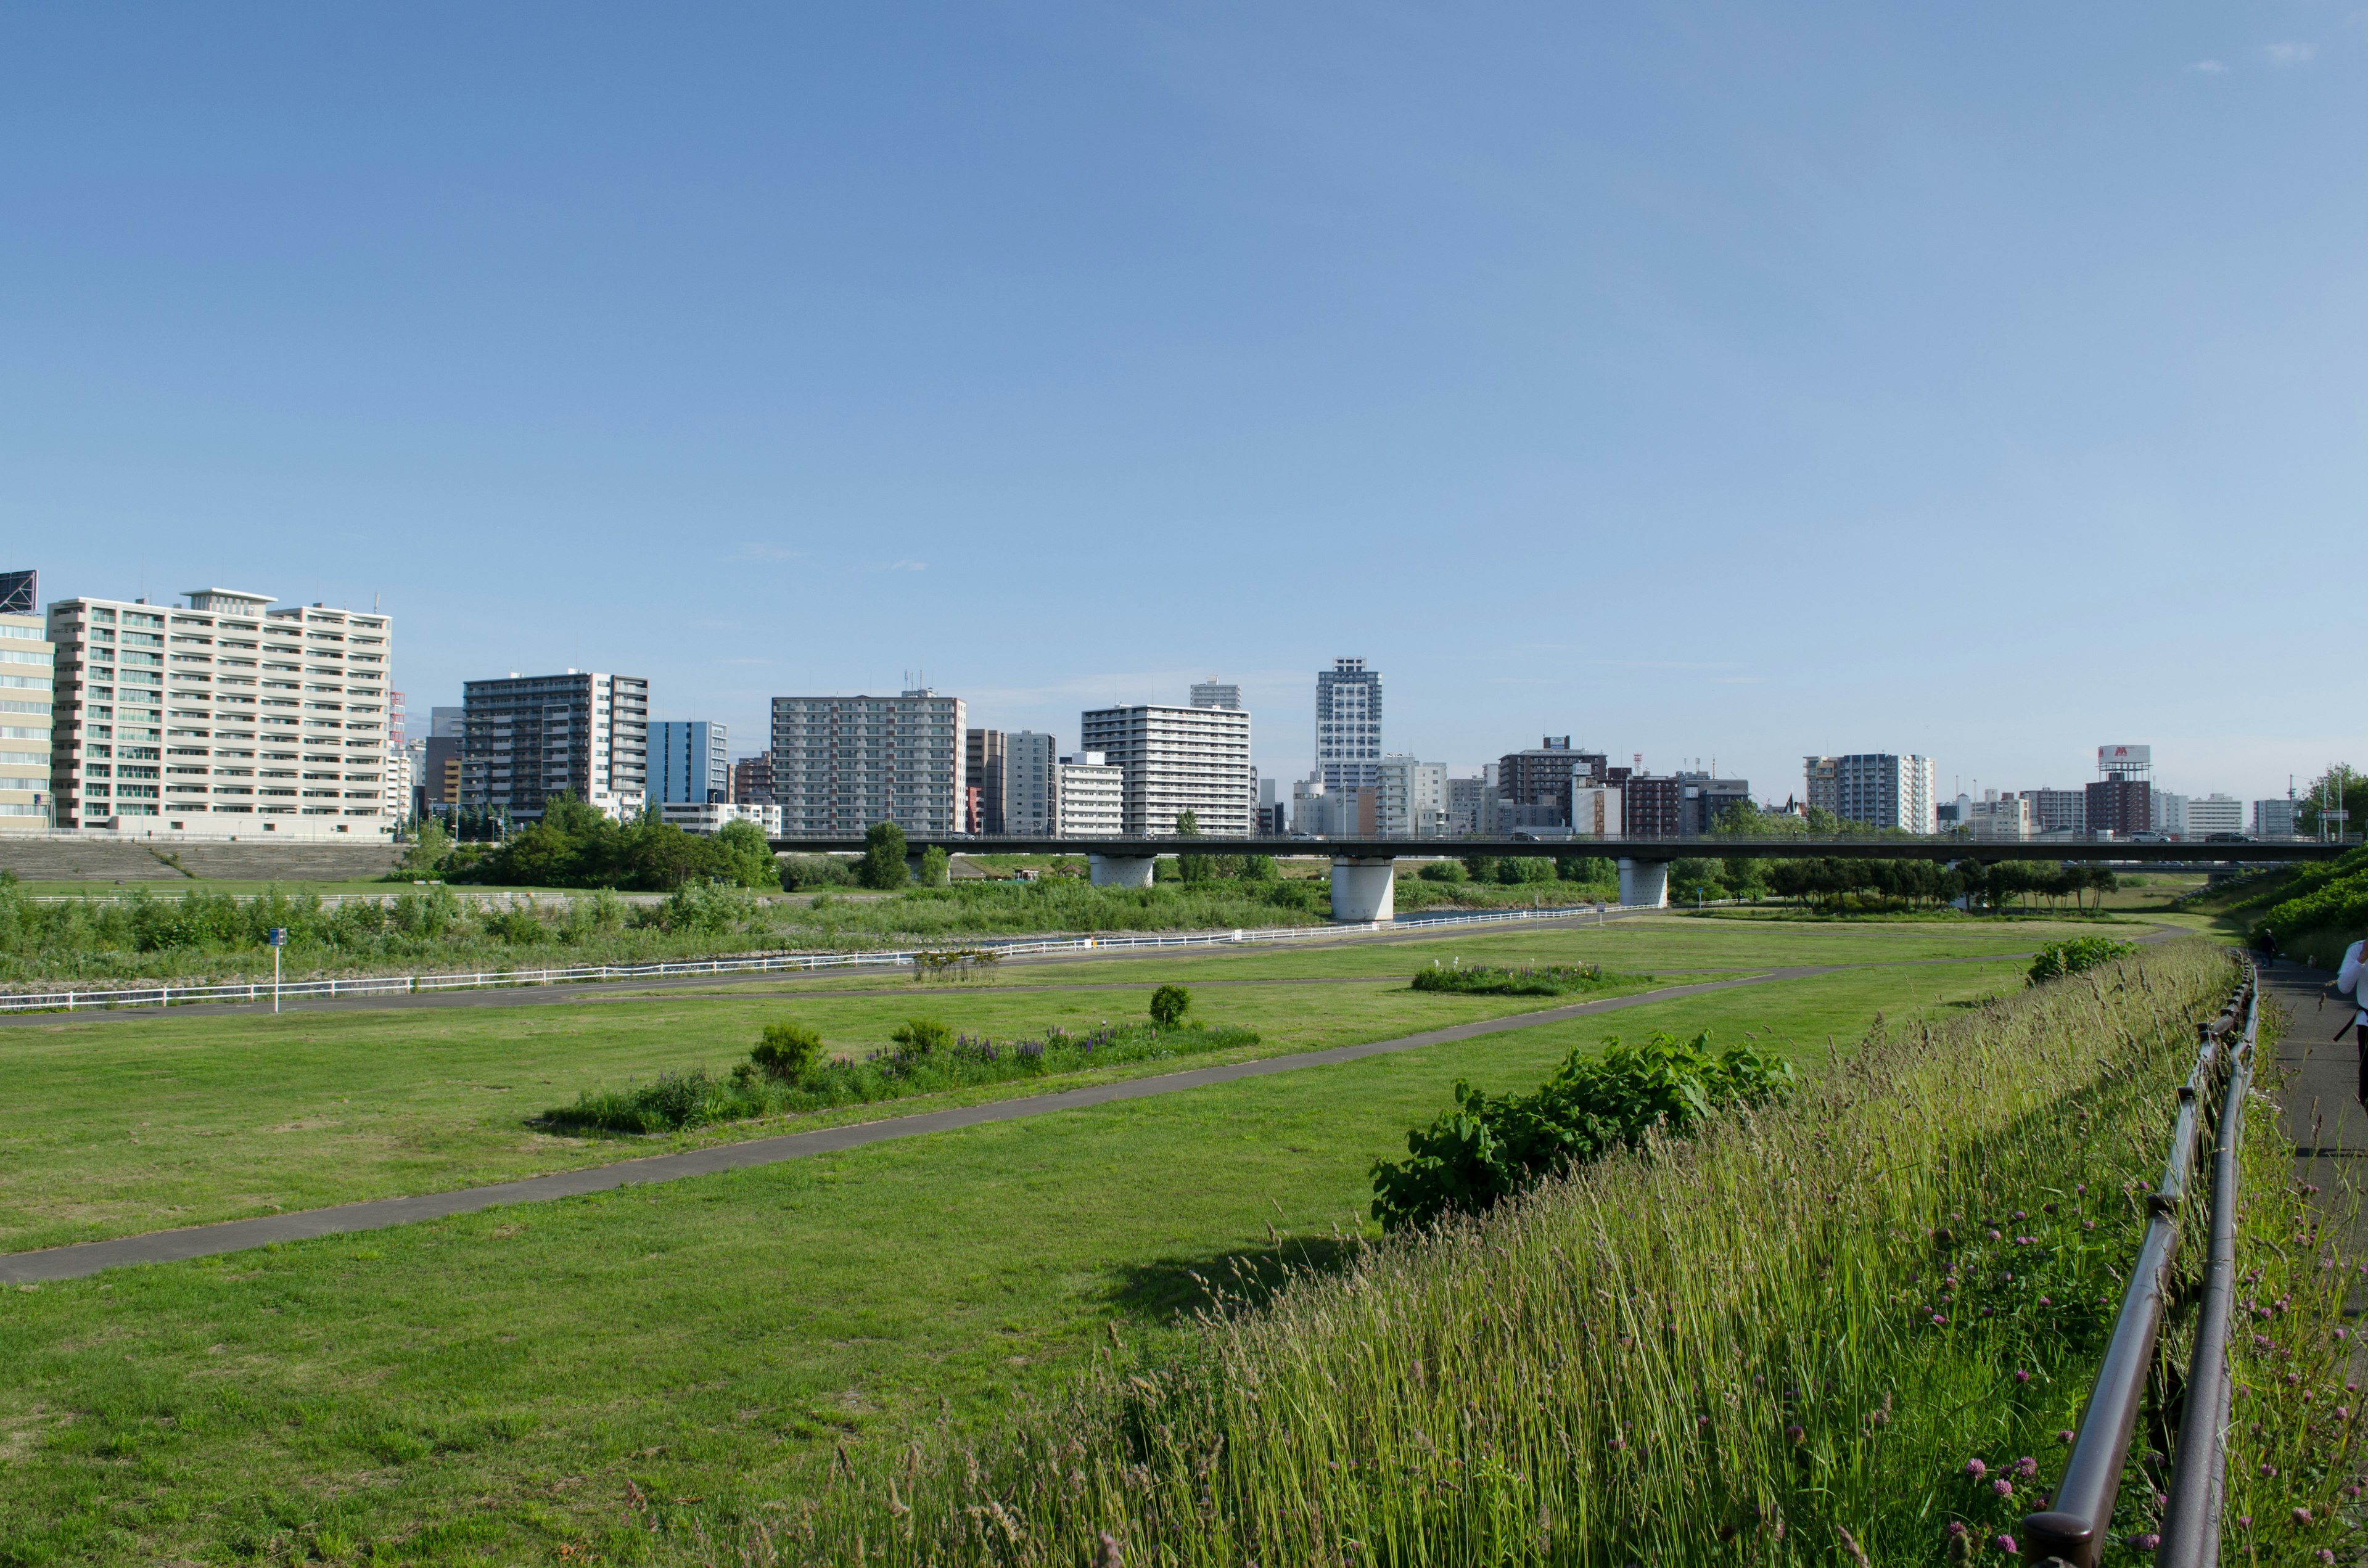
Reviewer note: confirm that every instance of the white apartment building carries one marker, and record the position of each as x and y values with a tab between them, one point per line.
1594	810
28	677
525	738
841	764
2216	812
1179	759
1028	782
1999	819
2168	814
709	816
1215	693
224	717
1412	798
2058	811
1348	725
1088	796
1878	788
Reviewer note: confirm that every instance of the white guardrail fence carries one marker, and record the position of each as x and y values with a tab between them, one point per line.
414	985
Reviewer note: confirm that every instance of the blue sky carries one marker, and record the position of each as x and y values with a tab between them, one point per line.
1709	381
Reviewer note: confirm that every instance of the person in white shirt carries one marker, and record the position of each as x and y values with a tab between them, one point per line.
2349	981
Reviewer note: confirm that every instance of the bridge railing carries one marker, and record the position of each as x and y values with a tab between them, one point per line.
761	963
2073	1527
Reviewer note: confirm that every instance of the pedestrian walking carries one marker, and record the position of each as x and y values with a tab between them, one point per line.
2348	982
2265	942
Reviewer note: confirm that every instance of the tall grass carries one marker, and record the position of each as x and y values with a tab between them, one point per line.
1812	1320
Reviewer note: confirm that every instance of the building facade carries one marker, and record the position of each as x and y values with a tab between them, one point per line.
1534	786
1879	789
1027	763
841	764
1176	760
525	738
1348	725
2058	811
1596	810
2216	812
985	754
2122	799
1088	796
1999	819
220	717
2273	819
1215	693
28	692
709	816
752	781
689	762
1410	797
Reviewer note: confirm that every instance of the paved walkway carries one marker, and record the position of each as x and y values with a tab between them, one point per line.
2328	1128
236	1235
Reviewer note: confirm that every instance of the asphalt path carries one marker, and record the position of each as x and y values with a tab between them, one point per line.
237	1235
2322	1114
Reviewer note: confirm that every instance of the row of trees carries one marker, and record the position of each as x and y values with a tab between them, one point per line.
576	846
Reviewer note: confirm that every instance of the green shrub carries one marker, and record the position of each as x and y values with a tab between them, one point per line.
1482	867
1480	980
515	925
785	1052
1443	871
1259	869
803	873
708	907
1585	869
1168	1005
1487	1149
921	1037
882	866
2058	960
933	867
1515	869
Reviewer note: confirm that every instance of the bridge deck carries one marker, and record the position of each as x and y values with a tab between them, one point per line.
1867	849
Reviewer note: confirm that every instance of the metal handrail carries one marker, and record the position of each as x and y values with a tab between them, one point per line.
2073	1529
2191	1532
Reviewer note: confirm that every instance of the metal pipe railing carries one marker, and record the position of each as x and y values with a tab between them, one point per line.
2073	1529
2191	1532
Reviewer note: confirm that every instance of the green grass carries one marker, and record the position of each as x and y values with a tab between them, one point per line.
487	1385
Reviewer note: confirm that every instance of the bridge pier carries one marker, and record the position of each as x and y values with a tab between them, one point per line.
1364	889
1121	870
1646	882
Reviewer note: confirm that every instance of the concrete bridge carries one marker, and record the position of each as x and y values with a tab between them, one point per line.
1364	876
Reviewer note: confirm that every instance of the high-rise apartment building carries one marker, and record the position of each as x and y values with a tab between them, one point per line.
1088	796
2273	819
841	764
2058	811
1877	789
1028	783
689	762
1179	759
223	716
1464	798
1596	810
1348	725
985	754
752	781
1411	799
1534	786
526	738
2216	812
28	677
2122	799
1215	693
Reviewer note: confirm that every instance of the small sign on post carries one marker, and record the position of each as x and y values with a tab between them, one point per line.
278	939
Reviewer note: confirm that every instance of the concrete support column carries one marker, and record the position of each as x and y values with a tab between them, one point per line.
1121	870
1364	889
1646	882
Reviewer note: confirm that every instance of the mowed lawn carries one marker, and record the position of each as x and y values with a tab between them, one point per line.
484	1387
146	1122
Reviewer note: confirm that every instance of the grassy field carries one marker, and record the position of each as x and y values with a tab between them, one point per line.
152	1120
486	1386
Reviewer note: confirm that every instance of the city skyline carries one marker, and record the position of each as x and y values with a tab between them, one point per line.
1836	381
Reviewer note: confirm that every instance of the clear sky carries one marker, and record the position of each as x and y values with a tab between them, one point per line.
1698	381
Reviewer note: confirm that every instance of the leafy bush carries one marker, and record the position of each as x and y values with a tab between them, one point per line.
1487	1149
882	866
803	873
1585	869
785	1052
2058	960
1515	869
1168	1005
1443	871
515	924
922	1037
2322	897
934	860
712	907
1479	979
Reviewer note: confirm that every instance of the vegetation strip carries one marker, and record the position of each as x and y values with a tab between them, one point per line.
203	1240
